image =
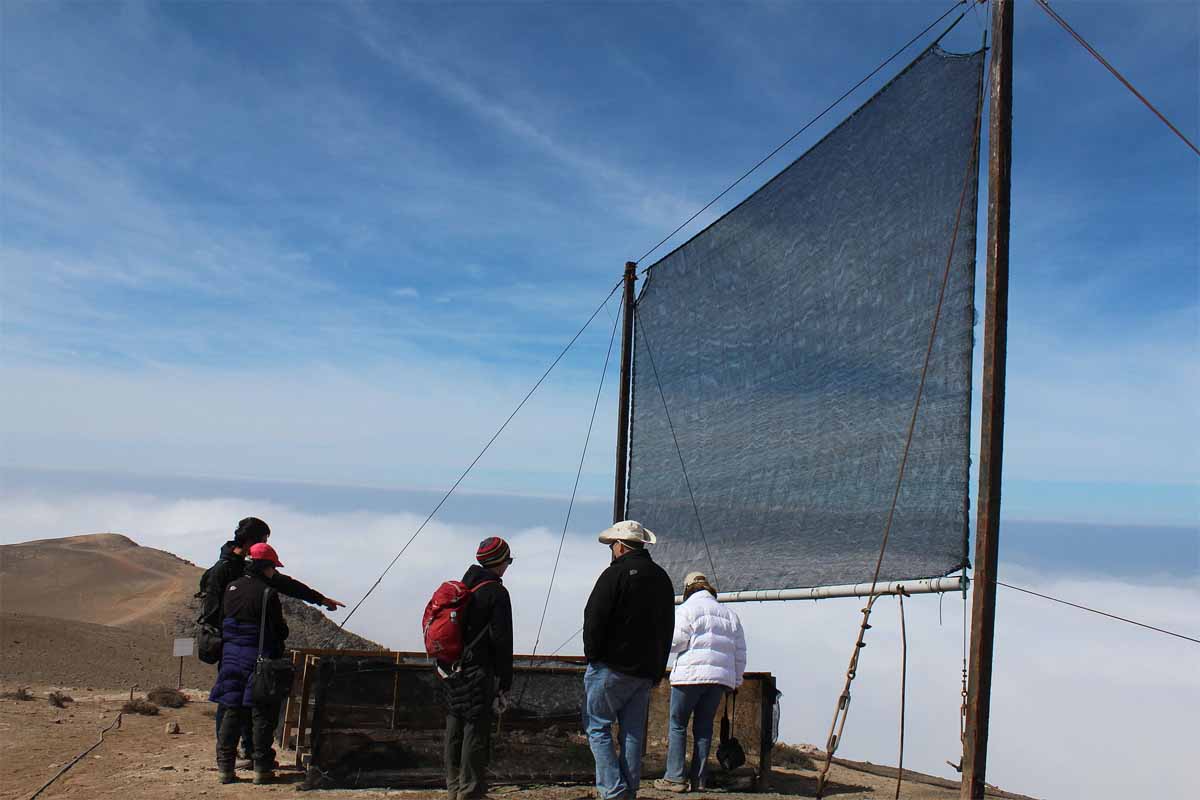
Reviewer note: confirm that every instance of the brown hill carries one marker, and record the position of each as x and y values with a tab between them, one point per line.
107	581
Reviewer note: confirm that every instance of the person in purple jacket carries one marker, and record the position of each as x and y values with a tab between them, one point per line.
243	609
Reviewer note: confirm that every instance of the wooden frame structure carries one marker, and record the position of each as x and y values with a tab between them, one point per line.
374	718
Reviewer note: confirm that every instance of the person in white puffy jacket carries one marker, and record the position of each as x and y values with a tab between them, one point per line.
710	648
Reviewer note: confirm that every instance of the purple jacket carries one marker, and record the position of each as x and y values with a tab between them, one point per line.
239	653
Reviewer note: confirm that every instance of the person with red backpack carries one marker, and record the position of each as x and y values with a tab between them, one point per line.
468	630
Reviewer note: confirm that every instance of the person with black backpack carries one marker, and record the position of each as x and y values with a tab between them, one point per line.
230	566
469	632
253	633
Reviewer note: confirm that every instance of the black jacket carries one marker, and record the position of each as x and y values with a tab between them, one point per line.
229	567
244	603
489	605
630	617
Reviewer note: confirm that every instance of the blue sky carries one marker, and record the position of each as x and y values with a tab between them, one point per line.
337	242
269	246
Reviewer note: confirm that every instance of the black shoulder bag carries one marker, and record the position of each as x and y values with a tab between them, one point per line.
730	754
272	680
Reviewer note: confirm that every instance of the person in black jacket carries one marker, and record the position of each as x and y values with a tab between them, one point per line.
484	674
248	622
627	629
232	565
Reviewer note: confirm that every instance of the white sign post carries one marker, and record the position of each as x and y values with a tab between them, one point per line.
183	649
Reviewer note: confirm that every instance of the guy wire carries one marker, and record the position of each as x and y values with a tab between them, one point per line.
641	331
1103	61
809	124
467	471
570	506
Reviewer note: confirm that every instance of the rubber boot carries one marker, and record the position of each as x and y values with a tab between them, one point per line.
262	776
225	773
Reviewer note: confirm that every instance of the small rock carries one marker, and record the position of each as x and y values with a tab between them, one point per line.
172	727
167	768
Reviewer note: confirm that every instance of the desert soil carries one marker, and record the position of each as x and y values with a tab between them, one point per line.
140	761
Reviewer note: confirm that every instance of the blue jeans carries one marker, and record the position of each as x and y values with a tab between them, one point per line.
700	702
614	697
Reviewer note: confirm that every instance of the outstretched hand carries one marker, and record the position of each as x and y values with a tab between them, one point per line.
332	605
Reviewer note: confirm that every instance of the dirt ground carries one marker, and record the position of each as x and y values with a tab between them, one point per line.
140	761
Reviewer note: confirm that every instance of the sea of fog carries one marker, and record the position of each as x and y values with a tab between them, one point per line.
1135	552
1073	694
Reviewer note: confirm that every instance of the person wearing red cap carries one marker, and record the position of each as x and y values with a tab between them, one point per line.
240	633
231	565
486	669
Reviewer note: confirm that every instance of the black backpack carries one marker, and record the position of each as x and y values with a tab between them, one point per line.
208	635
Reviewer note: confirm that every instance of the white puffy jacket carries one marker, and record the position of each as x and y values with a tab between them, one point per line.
710	643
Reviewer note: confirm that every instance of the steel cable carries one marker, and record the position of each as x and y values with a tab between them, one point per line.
467	471
641	331
809	124
1098	611
570	506
1095	54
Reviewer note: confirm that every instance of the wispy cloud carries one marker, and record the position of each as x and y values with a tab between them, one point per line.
606	177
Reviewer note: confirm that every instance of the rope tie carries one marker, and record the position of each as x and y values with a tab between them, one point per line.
843	707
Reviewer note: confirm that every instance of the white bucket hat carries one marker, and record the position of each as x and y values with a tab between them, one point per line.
628	531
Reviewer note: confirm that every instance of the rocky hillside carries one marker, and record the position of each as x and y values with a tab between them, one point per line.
107	581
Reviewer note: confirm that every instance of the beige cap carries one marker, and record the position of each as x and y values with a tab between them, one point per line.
693	578
628	531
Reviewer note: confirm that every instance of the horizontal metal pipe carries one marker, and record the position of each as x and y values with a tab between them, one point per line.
953	583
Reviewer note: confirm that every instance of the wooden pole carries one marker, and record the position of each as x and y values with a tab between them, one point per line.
991	446
623	401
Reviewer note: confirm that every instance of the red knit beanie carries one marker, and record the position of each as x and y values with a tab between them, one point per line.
492	552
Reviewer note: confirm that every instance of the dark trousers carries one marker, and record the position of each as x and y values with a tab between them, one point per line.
247	732
261	719
469	747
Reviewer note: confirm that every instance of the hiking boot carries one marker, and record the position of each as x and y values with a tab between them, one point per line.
678	787
262	776
226	776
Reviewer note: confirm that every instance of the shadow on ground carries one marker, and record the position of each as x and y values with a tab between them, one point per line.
806	786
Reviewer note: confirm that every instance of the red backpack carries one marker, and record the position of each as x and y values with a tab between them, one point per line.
445	618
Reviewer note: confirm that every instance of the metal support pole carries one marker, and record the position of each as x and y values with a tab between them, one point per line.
623	401
180	684
953	583
991	446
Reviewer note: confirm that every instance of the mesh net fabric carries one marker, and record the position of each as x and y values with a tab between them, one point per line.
789	337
